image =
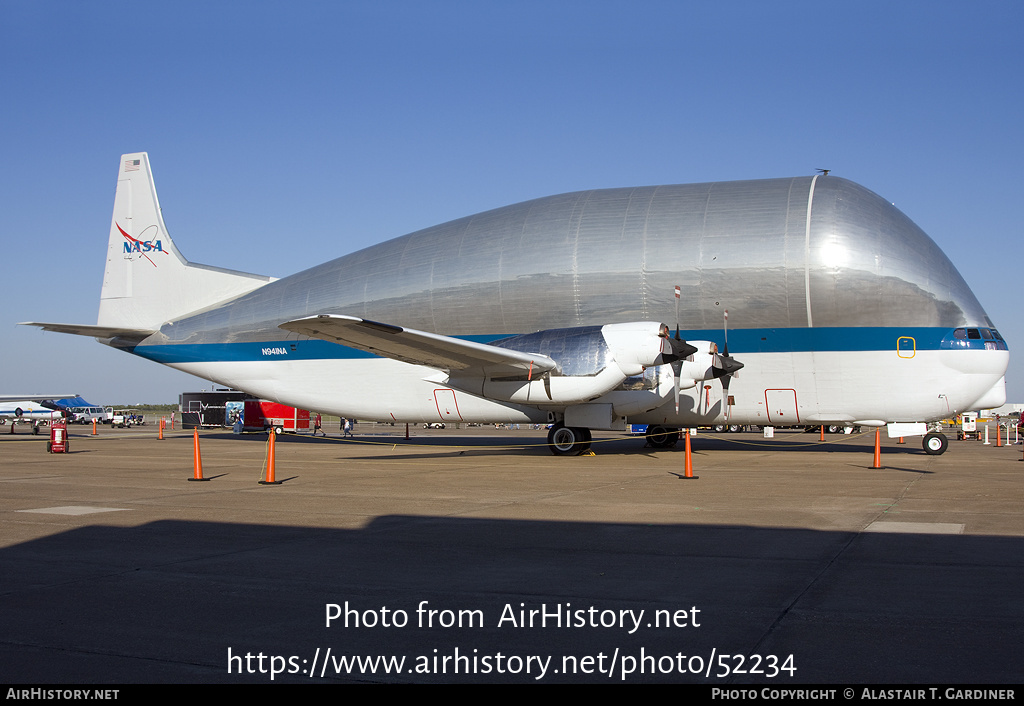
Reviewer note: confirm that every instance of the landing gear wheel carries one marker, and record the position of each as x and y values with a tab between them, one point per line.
587	438
662	437
935	443
568	441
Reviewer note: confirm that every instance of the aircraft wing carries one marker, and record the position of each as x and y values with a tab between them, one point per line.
419	347
94	331
32	398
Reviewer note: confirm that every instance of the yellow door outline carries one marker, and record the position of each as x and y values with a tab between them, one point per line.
902	347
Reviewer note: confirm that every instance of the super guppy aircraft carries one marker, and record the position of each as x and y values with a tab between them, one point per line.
840	311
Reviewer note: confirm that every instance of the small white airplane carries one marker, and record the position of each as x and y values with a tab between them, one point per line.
37	410
841	311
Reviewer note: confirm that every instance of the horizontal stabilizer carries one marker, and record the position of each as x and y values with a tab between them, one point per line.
420	347
32	398
92	330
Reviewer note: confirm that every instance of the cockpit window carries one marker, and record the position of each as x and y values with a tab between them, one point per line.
974	339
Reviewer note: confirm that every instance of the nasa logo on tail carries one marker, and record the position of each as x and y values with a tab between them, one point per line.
135	246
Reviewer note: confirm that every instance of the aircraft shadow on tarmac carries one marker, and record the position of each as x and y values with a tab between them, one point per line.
166	601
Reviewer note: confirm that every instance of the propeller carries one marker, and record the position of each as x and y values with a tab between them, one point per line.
680	351
726	366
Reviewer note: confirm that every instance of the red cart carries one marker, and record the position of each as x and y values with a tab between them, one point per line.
58	443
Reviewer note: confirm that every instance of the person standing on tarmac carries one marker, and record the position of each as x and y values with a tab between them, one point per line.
316	425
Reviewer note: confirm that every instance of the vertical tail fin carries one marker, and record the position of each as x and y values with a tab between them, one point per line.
147	281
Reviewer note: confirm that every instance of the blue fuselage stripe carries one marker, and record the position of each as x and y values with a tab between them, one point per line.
775	340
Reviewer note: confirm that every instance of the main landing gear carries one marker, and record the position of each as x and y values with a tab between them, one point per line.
661	437
935	443
568	441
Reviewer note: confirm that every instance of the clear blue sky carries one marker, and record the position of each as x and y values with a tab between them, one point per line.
286	134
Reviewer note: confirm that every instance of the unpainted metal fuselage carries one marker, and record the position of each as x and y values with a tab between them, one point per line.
840	308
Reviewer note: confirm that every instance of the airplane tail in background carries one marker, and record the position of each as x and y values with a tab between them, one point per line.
147	281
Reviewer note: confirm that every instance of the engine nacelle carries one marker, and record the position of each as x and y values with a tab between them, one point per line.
637	345
700	365
592	362
544	391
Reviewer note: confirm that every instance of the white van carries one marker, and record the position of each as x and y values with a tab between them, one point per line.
85	415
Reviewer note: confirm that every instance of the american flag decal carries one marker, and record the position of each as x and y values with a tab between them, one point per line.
131	165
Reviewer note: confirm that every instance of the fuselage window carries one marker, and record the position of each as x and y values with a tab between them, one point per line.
972	333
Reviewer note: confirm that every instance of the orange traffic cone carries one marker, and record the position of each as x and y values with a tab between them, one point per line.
688	463
197	460
270	462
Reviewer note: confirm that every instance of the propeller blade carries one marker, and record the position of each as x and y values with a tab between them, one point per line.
725	387
725	368
725	329
726	365
678	292
680	350
677	370
725	397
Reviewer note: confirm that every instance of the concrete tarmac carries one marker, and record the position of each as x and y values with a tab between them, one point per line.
477	556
